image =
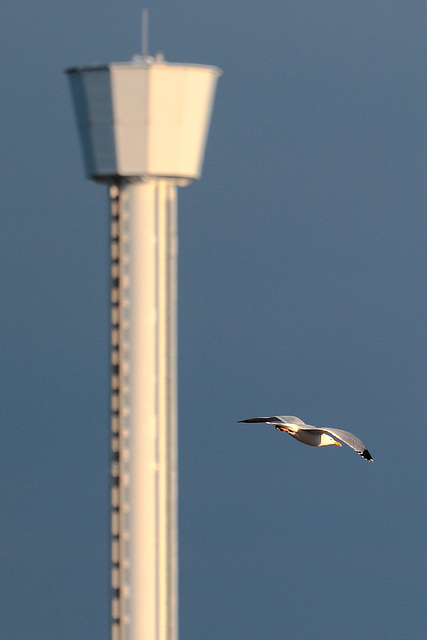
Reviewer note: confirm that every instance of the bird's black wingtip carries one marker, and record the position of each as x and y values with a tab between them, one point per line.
365	454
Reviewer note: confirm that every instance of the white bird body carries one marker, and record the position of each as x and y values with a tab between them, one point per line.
314	436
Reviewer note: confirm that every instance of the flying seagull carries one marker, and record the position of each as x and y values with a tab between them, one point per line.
314	436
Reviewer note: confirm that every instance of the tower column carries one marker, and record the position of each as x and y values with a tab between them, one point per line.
144	413
143	129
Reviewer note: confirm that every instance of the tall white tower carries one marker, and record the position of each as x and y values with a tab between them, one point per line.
143	129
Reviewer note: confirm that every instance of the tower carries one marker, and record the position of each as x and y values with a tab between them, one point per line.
143	127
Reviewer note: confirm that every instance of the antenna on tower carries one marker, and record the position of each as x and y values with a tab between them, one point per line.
144	33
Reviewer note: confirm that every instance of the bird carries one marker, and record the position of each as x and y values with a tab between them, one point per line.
314	436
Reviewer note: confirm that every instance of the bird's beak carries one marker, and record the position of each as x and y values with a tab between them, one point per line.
338	444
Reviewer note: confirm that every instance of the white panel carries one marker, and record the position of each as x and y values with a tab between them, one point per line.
180	104
129	96
165	113
199	94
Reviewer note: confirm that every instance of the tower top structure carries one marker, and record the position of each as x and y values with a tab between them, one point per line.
143	119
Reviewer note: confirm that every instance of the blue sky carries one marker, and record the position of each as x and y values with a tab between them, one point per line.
302	279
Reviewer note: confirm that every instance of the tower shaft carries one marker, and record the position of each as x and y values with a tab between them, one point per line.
144	410
143	128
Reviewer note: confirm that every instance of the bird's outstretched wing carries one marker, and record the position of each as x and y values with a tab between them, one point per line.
277	420
350	440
